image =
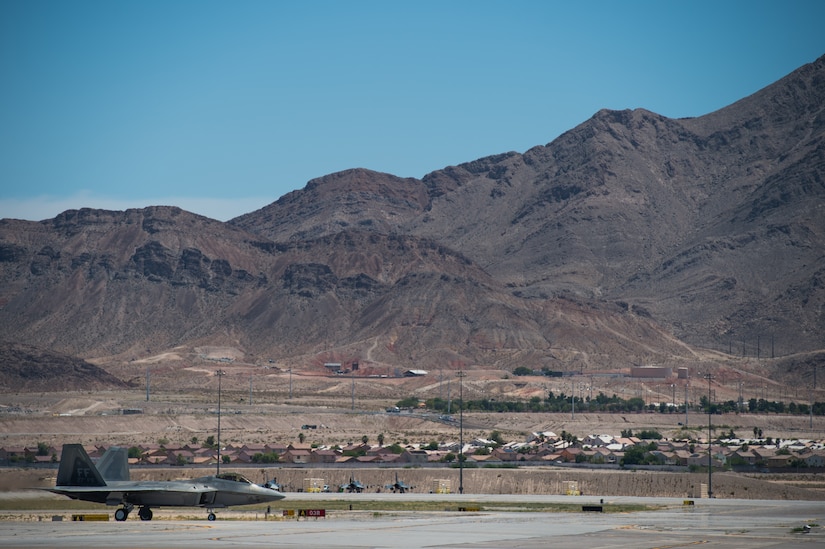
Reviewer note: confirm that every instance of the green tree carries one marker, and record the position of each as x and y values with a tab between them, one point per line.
396	448
409	402
134	452
635	455
269	457
381	439
650	434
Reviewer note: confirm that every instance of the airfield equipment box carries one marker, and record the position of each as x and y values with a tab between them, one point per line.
571	488
313	484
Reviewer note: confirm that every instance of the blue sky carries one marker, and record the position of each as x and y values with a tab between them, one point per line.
222	107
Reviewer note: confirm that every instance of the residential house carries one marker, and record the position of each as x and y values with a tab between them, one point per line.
298	457
814	459
595	441
324	456
570	454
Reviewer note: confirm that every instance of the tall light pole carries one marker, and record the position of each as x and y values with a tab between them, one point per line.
572	398
673	388
290	384
710	462
220	374
461	431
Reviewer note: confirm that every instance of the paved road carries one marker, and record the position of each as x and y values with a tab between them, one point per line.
726	523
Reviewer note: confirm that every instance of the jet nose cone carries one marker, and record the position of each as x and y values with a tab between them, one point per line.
267	494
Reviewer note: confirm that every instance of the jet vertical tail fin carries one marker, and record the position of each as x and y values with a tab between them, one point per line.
114	465
77	469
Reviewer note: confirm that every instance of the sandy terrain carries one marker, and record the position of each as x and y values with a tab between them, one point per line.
179	416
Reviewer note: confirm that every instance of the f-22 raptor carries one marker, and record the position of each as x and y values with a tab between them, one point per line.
110	483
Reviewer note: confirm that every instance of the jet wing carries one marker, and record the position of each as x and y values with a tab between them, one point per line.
153	494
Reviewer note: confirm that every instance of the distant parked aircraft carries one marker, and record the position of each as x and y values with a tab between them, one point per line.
353	486
399	486
78	478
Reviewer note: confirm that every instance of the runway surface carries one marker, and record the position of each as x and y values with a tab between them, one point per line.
716	523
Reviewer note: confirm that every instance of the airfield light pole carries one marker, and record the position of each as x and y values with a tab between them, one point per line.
673	389
710	462
290	384
220	374
461	431
572	399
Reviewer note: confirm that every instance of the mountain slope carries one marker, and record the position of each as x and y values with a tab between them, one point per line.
714	225
589	252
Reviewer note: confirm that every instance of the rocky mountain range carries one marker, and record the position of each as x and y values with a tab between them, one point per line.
631	239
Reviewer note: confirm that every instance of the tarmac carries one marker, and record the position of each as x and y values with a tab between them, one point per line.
724	523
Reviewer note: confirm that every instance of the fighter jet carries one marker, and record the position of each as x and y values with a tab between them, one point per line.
399	486
353	486
78	478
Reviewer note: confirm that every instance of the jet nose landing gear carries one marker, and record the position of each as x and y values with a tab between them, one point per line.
210	516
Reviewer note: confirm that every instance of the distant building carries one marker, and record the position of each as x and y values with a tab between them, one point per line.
659	372
415	373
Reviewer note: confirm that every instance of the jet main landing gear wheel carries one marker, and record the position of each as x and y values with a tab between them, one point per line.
123	513
145	513
211	516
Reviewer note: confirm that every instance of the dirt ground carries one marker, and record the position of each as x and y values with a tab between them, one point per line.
343	415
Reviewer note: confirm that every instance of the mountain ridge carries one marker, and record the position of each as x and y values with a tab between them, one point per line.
600	249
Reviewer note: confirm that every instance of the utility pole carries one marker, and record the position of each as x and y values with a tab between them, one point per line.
710	444
673	389
290	384
461	431
572	398
147	383
220	374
